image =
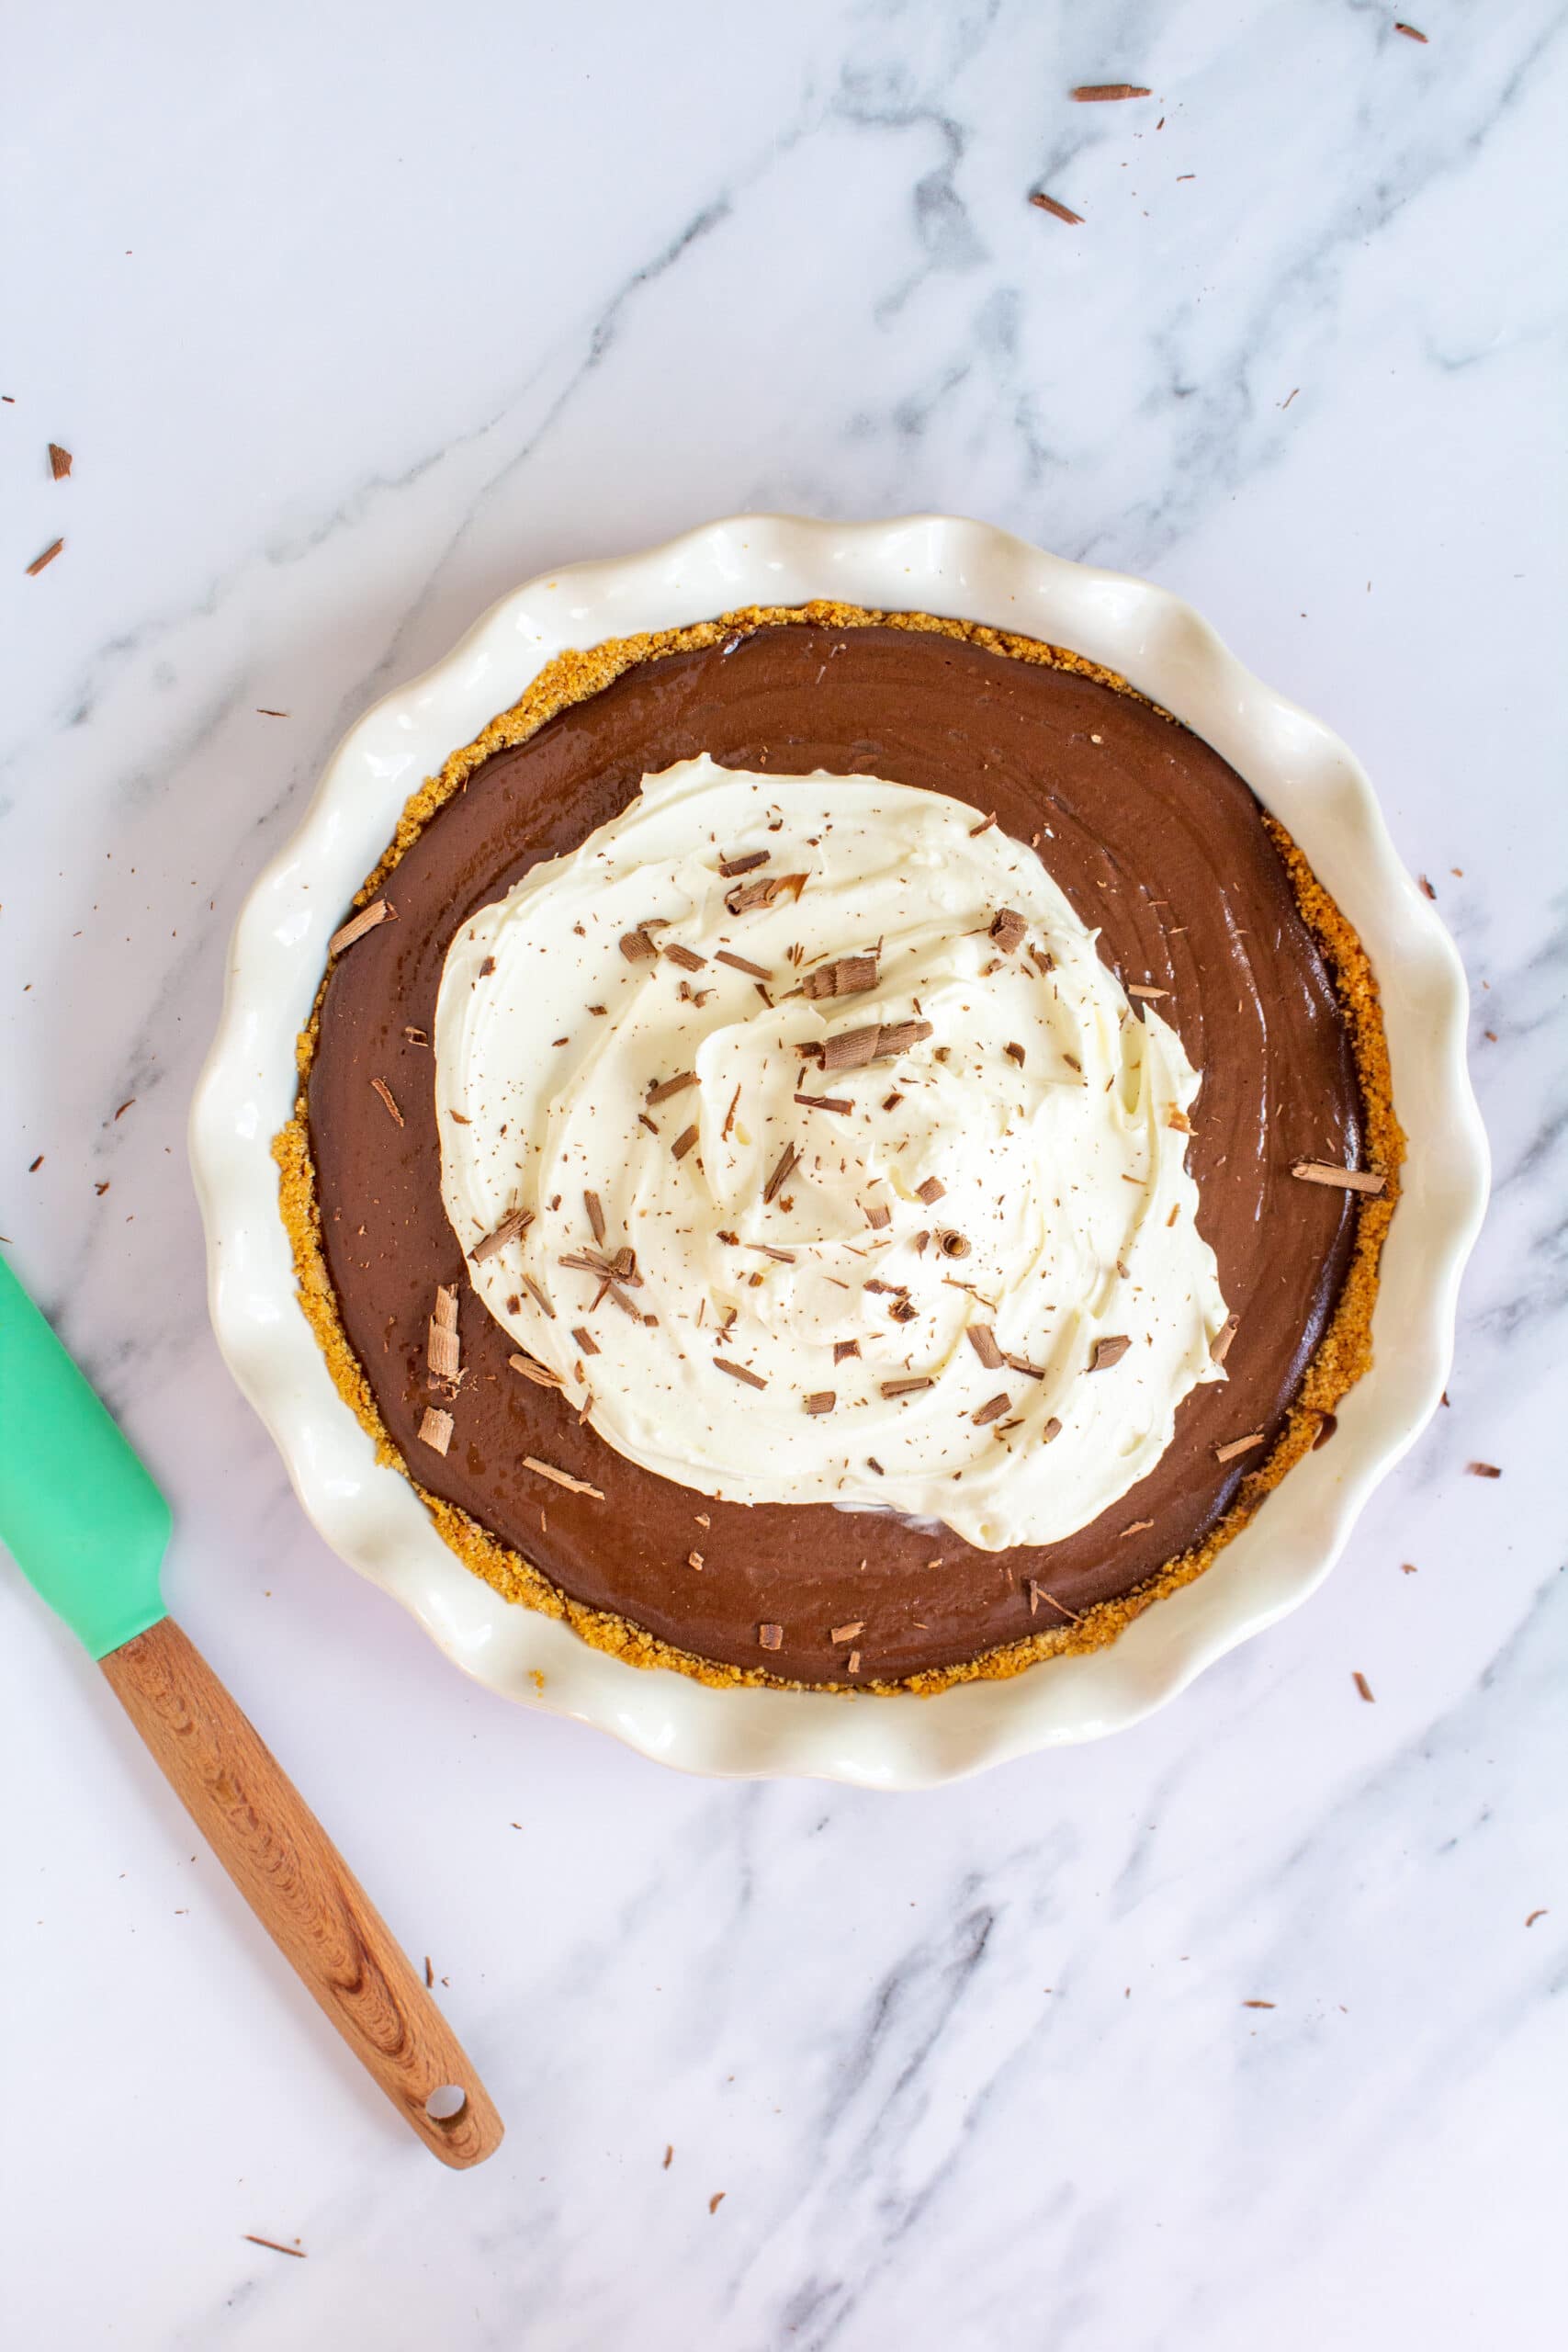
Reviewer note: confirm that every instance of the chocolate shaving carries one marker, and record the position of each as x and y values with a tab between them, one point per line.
1238	1445
561	1477
763	894
59	461
1137	1526
1222	1344
821	1400
952	1244
48	556
854	1048
992	1409
877	1215
1059	211
683	1142
903	1310
1052	1428
595	1208
1007	928
1014	1053
1409	31
847	1632
537	1296
1022	1363
771	1639
1365	1688
845	1348
516	1221
930	1192
585	1340
1483	1469
676	1085
1426	889
1090	93
743	964
385	1091
788	1160
1179	1121
694	1560
436	1429
1327	1424
825	1102
442	1352
846	976
1349	1180
367	918
852	1666
983	1339
644	1121
539	1374
637	947
906	1387
1108	1352
1134	990
730	866
739	1372
417	1037
1037	1593
687	957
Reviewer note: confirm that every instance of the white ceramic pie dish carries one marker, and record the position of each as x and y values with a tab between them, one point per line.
371	1516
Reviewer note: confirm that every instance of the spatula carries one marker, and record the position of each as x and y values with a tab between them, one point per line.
88	1528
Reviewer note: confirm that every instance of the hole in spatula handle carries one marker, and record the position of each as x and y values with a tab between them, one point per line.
446	2103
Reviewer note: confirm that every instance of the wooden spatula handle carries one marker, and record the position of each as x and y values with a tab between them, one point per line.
300	1887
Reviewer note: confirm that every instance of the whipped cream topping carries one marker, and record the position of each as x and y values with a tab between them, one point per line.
962	1279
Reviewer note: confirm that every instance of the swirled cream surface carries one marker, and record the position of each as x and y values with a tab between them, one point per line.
830	1161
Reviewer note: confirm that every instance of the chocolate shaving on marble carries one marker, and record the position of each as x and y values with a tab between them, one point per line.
561	1477
763	894
687	957
1007	927
1238	1445
48	556
891	1388
683	1142
1483	1470
930	1192
1108	1352
378	911
747	864
846	976
825	1102
436	1428
539	1374
787	1161
1349	1180
1409	31
1059	211
743	964
983	1339
821	1400
992	1409
771	1638
1365	1688
739	1372
676	1085
385	1091
1091	93
637	947
514	1222
59	461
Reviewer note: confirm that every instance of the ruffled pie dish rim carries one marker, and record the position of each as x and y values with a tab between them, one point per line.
367	1509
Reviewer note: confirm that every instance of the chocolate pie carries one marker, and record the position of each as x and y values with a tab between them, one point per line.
842	1148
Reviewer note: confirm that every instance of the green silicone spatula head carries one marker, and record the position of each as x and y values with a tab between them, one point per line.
84	1521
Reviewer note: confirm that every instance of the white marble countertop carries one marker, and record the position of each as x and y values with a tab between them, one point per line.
354	317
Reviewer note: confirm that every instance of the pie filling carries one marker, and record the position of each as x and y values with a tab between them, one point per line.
803	1177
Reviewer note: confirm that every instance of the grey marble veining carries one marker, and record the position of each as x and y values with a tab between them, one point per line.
355	320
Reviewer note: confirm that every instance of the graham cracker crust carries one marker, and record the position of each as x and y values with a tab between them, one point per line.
1343	1355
